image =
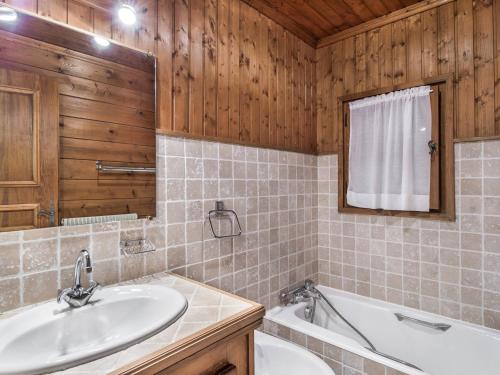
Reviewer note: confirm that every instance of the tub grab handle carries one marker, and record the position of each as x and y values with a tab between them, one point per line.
439	326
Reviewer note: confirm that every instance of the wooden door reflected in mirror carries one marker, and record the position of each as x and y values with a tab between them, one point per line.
77	127
29	113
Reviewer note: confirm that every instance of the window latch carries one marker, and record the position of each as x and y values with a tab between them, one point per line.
432	147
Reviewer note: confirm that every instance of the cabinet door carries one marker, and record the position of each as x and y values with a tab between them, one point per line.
234	357
29	121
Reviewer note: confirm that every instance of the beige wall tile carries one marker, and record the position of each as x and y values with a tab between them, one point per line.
40	234
6	237
10	294
70	247
492	149
492	319
132	267
9	259
74	230
39	255
471	186
39	287
492	186
106	272
105	245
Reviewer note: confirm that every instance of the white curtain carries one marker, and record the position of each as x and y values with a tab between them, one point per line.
389	162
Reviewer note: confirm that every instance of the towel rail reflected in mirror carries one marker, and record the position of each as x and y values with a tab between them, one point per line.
122	168
74	100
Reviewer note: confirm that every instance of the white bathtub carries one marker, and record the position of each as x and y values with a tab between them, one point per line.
279	357
464	349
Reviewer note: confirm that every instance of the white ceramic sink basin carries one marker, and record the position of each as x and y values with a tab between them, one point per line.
53	336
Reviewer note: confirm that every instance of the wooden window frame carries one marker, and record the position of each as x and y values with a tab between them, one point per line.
445	151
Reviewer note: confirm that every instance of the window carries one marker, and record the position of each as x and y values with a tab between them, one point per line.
374	145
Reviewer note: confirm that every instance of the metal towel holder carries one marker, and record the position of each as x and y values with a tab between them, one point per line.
122	169
219	212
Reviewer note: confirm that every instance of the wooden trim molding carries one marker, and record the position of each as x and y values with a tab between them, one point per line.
178	134
476	139
35	95
35	207
397	15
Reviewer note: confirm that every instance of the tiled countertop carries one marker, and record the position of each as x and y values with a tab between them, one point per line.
206	306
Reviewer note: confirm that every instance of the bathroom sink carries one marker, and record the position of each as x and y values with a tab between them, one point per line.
53	336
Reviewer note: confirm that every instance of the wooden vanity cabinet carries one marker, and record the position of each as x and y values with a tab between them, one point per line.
224	348
233	357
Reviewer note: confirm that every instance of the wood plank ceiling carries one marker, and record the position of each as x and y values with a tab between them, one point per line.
312	20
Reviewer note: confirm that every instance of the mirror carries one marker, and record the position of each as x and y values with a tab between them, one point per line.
77	127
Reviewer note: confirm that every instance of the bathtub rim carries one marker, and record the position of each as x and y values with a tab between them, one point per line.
294	322
263	338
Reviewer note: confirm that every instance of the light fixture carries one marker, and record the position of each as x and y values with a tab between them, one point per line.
103	42
7	14
127	14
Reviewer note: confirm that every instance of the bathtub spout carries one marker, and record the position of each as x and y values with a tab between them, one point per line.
296	296
310	311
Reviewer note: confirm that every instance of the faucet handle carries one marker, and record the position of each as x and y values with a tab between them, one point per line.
63	293
94	285
285	297
309	284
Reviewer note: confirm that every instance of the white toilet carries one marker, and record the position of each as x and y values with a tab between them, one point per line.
274	356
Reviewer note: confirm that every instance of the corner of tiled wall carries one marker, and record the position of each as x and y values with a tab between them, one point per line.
274	194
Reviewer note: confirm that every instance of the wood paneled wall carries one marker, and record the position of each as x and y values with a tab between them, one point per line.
235	75
107	112
225	72
228	73
457	37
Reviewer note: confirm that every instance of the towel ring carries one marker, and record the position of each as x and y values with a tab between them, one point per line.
219	212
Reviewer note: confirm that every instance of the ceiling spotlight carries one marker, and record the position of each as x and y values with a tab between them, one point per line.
103	42
127	14
7	14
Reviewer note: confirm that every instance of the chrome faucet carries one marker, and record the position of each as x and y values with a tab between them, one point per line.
78	296
305	292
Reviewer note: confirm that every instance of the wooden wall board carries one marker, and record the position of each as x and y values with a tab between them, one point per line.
222	67
238	86
107	113
456	37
